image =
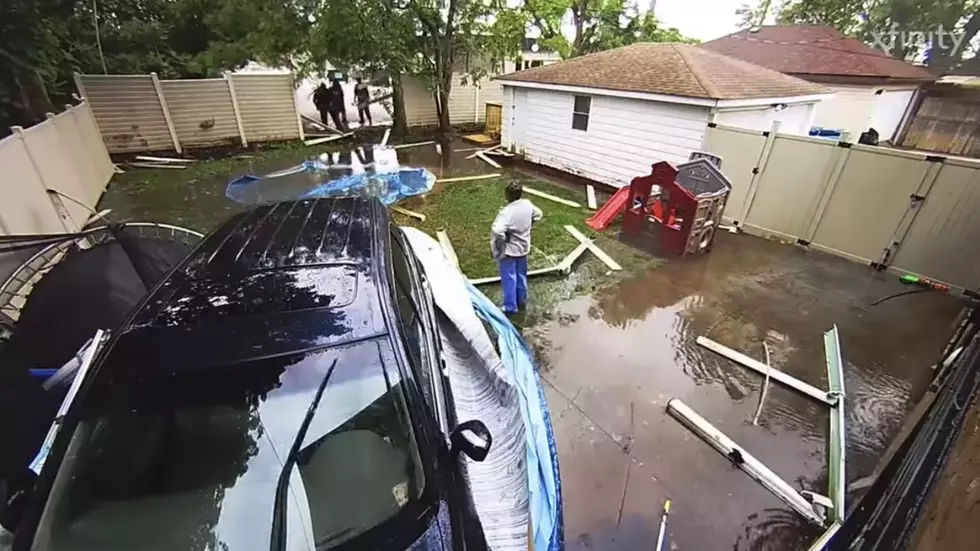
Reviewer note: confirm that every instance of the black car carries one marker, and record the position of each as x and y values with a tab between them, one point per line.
281	389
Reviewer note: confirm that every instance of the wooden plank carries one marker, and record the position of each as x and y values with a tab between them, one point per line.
590	197
566	263
416	144
384	139
551	197
467	178
411	213
447	247
480	150
164	159
149	165
599	253
488	160
495	279
761	368
319	141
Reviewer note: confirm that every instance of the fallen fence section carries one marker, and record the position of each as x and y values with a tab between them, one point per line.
748	463
885	519
761	368
836	446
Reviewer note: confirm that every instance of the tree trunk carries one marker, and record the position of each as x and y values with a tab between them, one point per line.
444	78
399	117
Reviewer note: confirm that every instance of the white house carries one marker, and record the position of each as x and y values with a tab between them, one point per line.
608	116
871	89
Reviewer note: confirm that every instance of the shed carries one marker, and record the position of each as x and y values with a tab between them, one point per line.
608	116
871	88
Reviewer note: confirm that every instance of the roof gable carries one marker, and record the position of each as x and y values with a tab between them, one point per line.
669	69
814	50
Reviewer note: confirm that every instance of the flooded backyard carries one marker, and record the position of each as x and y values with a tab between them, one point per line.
615	350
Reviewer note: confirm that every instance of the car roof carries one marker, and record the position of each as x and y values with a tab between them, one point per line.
278	279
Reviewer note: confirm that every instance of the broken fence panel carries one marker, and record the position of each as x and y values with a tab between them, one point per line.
760	367
593	248
748	463
836	444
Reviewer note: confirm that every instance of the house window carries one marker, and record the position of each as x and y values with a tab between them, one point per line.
580	112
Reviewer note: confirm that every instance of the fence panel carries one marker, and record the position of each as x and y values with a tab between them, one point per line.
128	111
740	150
467	103
95	150
26	207
790	185
57	169
869	199
942	242
268	106
202	111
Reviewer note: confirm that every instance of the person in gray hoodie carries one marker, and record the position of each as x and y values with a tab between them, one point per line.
510	243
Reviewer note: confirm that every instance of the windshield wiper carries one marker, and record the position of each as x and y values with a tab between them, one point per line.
278	542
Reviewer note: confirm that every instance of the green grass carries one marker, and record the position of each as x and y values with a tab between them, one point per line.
467	209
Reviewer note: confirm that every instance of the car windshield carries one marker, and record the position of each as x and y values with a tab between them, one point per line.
189	459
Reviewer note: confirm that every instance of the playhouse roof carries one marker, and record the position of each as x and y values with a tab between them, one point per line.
668	69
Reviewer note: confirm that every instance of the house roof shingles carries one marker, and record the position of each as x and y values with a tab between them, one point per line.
670	69
816	51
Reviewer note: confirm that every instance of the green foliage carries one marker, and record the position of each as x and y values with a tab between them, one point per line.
863	18
599	25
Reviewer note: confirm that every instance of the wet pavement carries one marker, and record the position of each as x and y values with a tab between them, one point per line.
613	360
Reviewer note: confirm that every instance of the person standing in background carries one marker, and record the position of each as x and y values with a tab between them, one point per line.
337	107
363	98
510	243
321	100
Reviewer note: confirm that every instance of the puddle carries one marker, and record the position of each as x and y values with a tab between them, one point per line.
635	344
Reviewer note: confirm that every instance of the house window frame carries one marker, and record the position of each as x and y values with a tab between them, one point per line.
578	115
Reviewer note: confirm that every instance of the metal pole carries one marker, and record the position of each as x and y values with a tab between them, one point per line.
663	526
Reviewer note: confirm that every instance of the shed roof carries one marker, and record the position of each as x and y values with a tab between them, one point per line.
814	50
670	69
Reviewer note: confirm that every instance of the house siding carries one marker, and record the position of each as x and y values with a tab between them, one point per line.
795	118
857	108
624	137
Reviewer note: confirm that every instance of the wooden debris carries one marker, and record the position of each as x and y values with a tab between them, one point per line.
488	160
494	279
551	197
416	144
384	139
467	178
468	149
599	253
316	124
499	152
418	216
566	263
163	159
481	150
590	196
319	141
117	170
447	247
161	165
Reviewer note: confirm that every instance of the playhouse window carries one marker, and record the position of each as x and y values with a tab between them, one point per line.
580	112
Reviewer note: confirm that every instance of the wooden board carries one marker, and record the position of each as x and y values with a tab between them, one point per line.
468	178
488	160
411	213
590	196
447	247
599	253
481	139
319	141
551	197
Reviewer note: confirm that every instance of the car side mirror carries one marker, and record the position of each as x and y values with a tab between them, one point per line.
472	438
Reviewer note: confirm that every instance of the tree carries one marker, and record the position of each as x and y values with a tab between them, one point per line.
466	36
756	16
599	25
867	19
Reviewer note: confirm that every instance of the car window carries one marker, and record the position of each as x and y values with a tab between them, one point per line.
189	458
409	316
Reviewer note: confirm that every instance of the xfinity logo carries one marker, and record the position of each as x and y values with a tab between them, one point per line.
887	40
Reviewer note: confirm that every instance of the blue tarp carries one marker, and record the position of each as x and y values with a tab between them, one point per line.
544	482
313	179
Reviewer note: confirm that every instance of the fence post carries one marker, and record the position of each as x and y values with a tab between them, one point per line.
757	172
79	85
299	118
828	188
62	213
915	207
166	112
476	104
234	105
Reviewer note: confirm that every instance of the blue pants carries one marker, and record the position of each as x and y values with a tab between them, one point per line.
513	278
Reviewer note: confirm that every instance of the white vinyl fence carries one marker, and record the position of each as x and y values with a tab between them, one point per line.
53	173
137	113
905	211
467	102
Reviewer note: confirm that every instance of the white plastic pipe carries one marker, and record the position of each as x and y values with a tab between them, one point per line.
752	466
760	367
